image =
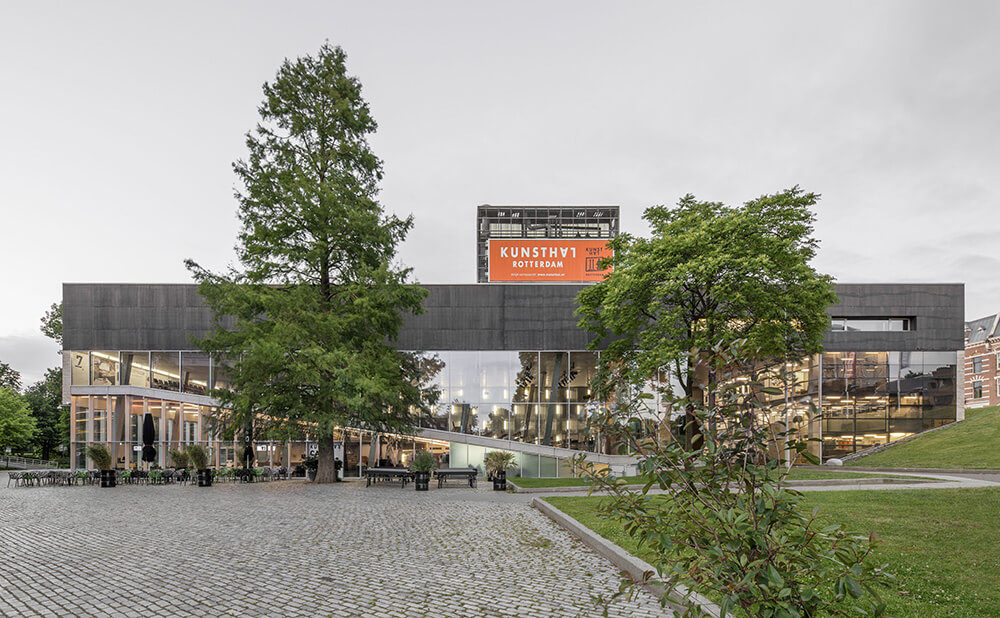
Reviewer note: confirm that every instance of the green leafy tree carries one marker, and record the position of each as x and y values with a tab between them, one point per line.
44	398
724	521
309	319
52	326
17	427
709	274
9	377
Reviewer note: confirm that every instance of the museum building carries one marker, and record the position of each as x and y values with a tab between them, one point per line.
516	373
515	366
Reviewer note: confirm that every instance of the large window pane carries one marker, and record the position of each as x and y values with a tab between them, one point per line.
104	368
462	377
497	423
166	370
135	431
99	416
526	379
463	418
498	370
554	376
135	369
194	372
189	430
582	367
81	405
170	437
221	372
80	368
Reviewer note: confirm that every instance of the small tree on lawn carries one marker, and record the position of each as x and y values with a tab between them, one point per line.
309	320
725	522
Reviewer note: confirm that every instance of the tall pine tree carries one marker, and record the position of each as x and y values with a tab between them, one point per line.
308	322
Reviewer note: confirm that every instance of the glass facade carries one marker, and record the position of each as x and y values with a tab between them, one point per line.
187	372
870	398
535	397
532	396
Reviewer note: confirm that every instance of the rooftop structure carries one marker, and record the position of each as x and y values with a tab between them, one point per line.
584	229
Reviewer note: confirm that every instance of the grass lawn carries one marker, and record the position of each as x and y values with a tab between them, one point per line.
972	444
943	545
794	475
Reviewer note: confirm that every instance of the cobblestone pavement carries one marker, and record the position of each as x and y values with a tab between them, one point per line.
290	548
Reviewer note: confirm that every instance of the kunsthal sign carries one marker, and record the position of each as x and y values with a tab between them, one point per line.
547	260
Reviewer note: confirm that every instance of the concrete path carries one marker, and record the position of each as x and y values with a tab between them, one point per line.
941	481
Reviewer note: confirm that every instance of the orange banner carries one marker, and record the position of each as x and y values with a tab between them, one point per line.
547	260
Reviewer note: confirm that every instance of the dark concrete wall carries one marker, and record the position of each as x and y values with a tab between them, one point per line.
938	311
126	316
119	316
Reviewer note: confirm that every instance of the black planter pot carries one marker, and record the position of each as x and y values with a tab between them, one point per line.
311	474
108	478
421	481
500	481
205	477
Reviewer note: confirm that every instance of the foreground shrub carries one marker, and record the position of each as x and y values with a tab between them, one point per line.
727	526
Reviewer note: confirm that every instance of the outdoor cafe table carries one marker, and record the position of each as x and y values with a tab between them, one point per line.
391	474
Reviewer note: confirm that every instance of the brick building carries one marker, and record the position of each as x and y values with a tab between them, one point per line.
982	340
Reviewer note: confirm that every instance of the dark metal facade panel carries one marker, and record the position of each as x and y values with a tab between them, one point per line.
937	310
485	317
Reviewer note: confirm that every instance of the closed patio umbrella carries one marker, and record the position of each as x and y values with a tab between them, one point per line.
148	439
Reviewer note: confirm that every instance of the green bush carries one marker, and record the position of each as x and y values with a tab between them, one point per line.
198	456
497	461
728	525
423	462
99	454
180	458
311	463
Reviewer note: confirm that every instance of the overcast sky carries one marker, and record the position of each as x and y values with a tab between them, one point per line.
121	121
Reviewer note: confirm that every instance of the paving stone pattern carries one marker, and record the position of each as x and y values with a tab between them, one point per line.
290	548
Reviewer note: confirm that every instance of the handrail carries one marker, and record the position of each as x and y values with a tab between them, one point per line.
11	462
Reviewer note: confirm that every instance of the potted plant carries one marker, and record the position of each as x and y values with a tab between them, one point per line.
99	454
181	459
181	464
311	464
199	459
422	466
497	463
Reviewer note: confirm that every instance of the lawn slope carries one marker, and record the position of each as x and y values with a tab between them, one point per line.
972	444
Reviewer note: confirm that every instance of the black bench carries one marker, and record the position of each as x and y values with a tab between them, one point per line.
468	474
387	474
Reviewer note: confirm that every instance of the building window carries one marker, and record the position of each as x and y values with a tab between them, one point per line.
977	364
871	324
977	389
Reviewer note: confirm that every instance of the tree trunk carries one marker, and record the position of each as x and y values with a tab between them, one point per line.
326	472
698	380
